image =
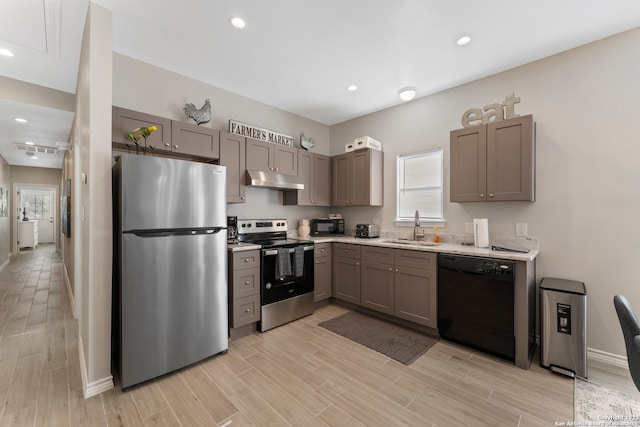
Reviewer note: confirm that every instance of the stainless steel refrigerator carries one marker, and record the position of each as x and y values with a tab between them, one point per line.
170	265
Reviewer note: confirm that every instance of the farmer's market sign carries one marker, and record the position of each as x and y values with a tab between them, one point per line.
250	131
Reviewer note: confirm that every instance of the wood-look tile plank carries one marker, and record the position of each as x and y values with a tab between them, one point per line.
234	362
296	386
41	297
23	391
85	412
53	399
19	418
164	418
7	367
282	402
186	406
149	399
212	398
336	417
226	380
257	410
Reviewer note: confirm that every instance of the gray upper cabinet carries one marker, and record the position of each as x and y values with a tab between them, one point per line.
195	140
266	157
124	121
357	178
232	156
171	136
314	171
493	162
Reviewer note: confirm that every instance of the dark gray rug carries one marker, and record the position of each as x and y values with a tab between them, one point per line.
390	339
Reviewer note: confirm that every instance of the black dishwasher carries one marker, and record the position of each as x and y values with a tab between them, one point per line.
475	303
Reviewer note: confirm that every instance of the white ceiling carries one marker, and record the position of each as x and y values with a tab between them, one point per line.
300	56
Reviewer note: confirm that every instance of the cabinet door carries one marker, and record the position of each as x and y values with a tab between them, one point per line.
322	278
468	171
377	287
341	182
415	296
285	160
510	159
195	140
259	156
346	279
360	187
232	155
321	186
305	173
124	121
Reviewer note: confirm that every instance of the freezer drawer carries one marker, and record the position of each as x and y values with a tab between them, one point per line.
173	303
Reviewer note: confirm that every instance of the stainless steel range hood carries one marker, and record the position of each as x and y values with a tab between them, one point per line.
272	180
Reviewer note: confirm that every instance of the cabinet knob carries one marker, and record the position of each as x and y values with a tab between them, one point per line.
490	194
317	262
321	250
357	263
247	282
166	144
247	259
246	310
397	271
390	269
482	196
242	198
277	169
176	146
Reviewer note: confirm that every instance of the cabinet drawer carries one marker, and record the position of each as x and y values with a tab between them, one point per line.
322	250
415	259
246	259
246	282
377	254
246	310
346	250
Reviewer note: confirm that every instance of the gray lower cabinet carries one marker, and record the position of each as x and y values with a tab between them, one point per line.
401	283
244	288
322	272
346	272
232	156
493	162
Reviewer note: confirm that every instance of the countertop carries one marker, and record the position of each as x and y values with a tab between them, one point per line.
449	248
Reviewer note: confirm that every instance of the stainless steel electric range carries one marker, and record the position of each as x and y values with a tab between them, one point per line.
286	271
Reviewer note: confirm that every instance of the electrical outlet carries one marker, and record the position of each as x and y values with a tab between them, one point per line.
468	227
521	229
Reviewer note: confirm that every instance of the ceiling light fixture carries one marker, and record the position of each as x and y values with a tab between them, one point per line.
407	93
20	120
238	22
34	157
6	52
352	88
463	40
29	143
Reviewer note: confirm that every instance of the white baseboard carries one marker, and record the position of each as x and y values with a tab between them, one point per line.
69	291
96	387
607	358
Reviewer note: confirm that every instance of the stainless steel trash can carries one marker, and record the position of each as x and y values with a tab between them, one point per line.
563	326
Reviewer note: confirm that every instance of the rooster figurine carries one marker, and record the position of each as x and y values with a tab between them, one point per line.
202	115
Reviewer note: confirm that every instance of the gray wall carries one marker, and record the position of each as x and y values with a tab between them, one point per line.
585	103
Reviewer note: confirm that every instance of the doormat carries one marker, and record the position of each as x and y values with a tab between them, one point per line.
597	403
390	339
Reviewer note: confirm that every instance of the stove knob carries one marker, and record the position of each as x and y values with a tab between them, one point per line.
268	286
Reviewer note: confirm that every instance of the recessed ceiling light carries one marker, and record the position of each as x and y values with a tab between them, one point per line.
238	22
29	143
6	52
34	157
463	40
407	93
352	88
20	120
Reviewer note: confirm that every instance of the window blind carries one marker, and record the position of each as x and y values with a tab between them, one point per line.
419	182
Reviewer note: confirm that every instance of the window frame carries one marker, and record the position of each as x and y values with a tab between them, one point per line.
431	220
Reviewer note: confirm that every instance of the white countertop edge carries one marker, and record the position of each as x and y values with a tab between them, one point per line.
449	248
238	247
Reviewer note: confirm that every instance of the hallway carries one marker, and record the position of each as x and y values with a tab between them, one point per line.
39	363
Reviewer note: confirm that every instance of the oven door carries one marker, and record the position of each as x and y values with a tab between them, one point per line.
295	283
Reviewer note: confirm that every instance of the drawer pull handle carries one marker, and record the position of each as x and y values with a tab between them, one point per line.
247	259
247	282
246	310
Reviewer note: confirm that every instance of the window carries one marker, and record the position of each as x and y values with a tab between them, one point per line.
419	182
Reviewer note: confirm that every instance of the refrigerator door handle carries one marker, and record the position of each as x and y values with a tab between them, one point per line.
178	232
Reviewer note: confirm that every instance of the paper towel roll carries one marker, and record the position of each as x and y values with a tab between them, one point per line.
481	233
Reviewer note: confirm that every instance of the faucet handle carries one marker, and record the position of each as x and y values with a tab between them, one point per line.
417	218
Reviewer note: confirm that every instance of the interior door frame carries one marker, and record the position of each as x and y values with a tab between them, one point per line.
17	211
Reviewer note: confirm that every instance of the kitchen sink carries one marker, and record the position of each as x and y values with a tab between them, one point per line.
409	242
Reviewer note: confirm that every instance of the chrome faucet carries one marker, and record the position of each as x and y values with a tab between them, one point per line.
416	228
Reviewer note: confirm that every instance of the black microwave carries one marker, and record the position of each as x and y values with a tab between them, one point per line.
325	226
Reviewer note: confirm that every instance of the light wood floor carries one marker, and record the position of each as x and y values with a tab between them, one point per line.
298	374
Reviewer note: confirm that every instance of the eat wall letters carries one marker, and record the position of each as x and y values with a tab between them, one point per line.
491	112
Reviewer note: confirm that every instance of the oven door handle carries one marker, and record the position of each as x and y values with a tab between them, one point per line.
291	250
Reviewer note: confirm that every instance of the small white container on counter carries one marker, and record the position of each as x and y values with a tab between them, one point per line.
304	229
